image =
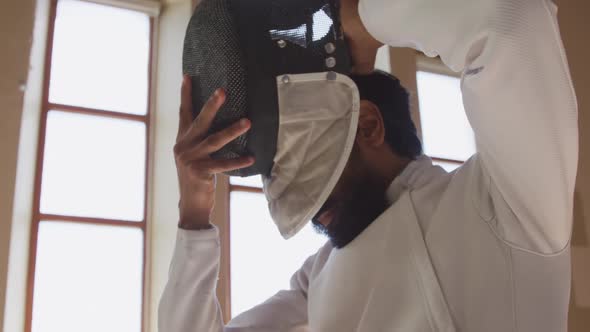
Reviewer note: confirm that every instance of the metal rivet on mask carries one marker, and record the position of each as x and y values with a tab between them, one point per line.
331	62
330	48
331	76
285	79
281	43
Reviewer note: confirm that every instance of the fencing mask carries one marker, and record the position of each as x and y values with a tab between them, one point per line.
283	65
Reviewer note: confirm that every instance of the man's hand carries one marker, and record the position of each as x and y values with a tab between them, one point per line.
363	47
196	169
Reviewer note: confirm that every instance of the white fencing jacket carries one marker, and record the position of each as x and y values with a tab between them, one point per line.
485	248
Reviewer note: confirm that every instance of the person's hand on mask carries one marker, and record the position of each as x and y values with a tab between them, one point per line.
363	47
196	169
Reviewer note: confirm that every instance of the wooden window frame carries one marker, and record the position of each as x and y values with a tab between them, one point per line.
46	107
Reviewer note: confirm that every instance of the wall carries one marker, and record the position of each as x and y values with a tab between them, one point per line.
163	217
574	24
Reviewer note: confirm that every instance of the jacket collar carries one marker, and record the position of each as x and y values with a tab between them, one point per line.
416	174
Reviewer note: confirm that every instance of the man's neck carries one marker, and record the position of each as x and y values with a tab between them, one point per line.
389	168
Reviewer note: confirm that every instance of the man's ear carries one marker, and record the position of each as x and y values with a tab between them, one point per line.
371	129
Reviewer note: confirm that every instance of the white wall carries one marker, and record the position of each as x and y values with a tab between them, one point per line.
164	191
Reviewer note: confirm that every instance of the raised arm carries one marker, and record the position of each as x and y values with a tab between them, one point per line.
518	96
189	303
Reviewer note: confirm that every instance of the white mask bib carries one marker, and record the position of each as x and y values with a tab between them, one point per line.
318	117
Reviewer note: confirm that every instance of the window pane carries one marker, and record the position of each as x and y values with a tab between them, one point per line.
446	131
449	167
100	57
88	278
93	167
250	181
382	61
262	262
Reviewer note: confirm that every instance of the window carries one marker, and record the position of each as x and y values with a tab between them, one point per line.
447	136
262	262
89	220
382	61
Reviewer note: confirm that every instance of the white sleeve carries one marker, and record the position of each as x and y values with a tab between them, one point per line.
518	97
189	302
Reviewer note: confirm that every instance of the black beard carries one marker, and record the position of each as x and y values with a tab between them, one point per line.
354	213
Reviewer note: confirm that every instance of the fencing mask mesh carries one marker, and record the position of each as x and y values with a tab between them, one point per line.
243	46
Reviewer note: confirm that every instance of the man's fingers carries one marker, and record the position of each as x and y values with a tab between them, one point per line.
203	121
200	125
214	166
220	139
212	143
186	112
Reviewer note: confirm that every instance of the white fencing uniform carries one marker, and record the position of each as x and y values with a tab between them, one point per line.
485	248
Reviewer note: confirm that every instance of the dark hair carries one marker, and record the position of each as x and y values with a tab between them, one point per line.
386	92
